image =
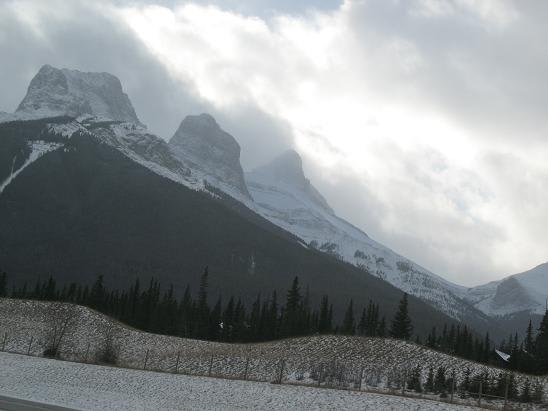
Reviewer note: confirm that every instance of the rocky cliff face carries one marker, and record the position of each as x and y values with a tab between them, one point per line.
63	92
200	143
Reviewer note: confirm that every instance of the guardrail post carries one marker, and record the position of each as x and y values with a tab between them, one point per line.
146	360
452	386
4	341
480	389
246	368
177	362
320	375
30	344
210	366
506	391
281	375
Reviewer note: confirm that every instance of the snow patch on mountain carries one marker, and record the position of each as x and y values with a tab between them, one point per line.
37	149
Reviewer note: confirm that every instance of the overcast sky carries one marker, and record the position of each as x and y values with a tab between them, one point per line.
423	122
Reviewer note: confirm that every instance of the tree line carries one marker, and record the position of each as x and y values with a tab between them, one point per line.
529	355
155	309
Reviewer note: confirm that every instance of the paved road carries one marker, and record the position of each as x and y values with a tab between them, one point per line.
15	404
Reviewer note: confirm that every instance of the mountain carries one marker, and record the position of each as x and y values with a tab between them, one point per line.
284	195
87	194
523	292
212	152
54	92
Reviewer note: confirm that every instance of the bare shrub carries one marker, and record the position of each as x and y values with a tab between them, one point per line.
60	321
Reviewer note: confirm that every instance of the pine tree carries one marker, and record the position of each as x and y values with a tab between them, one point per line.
293	317
525	395
466	382
401	324
202	309
541	345
414	382
429	386
3	285
96	297
215	321
528	343
381	331
538	391
324	326
440	381
349	326
362	325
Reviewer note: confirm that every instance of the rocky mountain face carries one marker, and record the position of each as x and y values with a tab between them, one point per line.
62	92
524	292
212	152
283	195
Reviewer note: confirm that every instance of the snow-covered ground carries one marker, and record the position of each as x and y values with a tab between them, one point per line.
345	362
91	387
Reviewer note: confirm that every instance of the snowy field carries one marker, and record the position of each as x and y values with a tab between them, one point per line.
25	326
92	387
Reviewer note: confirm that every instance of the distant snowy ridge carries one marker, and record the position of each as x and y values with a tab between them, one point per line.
527	291
286	197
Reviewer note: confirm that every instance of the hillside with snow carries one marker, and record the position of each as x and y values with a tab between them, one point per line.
357	363
523	292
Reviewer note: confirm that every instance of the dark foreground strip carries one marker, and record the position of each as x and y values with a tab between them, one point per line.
15	404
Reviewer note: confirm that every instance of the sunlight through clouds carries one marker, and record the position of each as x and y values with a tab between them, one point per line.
422	122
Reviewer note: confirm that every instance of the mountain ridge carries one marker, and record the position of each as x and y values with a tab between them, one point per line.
279	192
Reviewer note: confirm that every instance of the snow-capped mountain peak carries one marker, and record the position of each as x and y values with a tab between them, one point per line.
287	167
63	92
286	171
527	291
202	144
284	195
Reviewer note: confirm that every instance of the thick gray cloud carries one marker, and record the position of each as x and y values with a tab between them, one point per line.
423	122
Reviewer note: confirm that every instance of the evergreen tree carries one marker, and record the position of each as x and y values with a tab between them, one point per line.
324	324
414	382
3	285
401	324
429	386
293	315
96	297
381	331
525	395
349	326
440	381
362	325
202	309
541	346
538	392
